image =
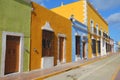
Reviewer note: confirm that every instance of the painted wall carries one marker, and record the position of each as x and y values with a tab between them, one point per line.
75	8
15	17
81	30
84	12
59	24
92	14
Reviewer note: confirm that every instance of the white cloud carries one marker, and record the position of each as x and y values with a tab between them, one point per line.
105	4
114	18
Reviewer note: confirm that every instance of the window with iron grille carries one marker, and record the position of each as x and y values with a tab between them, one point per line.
91	25
99	32
95	30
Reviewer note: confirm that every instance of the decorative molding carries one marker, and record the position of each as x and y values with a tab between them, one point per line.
47	27
92	37
77	34
62	4
85	12
61	35
21	51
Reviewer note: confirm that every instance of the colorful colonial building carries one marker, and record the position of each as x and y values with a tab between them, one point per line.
98	31
39	38
15	18
50	38
79	40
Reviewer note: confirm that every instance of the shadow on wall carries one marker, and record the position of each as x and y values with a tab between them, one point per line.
24	2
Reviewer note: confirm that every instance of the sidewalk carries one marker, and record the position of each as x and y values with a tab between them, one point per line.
44	73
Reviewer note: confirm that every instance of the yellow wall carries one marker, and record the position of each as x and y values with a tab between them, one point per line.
78	10
75	9
92	14
58	23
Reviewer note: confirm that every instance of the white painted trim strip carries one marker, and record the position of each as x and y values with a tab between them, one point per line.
21	51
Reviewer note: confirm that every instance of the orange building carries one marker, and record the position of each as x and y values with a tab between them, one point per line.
50	38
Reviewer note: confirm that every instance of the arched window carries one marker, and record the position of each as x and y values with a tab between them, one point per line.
91	25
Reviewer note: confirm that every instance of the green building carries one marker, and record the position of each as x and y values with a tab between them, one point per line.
15	18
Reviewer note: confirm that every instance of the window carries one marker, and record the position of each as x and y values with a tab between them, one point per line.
99	32
47	43
43	43
91	25
97	29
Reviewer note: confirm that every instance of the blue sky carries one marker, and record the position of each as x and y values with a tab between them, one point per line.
109	9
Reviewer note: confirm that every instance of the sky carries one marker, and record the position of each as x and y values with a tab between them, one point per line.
108	9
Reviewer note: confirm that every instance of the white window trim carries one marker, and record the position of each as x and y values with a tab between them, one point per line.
97	26
21	51
92	25
91	20
64	48
47	27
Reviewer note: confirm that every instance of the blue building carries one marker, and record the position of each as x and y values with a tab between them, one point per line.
79	40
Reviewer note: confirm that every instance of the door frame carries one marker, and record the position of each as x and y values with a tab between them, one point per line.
46	27
64	48
84	50
21	51
46	60
77	57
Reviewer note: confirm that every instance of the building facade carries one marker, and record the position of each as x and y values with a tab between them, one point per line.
98	33
79	40
14	36
111	46
50	38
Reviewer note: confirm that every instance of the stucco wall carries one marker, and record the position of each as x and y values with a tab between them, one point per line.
77	31
92	14
75	8
59	24
15	17
84	12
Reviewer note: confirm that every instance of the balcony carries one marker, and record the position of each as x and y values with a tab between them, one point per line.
100	33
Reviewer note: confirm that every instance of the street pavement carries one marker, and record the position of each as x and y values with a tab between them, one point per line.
98	68
103	69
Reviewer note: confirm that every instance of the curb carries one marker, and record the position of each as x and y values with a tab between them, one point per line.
83	64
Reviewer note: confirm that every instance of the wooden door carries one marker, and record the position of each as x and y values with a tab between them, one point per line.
99	47
47	43
61	44
78	46
12	54
83	49
94	47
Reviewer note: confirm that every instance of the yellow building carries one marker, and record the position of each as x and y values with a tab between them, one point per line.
50	38
84	12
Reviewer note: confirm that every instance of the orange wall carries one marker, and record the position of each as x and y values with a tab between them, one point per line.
59	24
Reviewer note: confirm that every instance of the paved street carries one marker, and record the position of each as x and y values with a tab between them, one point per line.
101	70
